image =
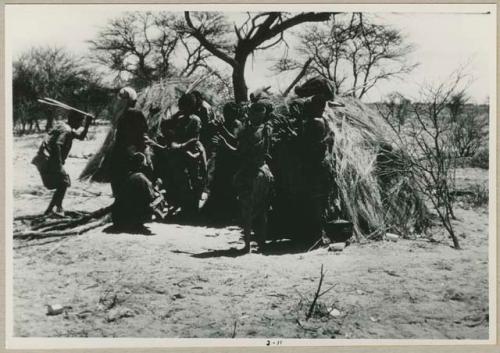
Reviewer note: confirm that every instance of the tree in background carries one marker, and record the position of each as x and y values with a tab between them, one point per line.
469	127
52	72
234	43
143	47
352	52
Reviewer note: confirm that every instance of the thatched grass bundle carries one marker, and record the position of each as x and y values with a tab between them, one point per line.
377	190
372	182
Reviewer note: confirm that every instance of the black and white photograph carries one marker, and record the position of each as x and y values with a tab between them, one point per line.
250	175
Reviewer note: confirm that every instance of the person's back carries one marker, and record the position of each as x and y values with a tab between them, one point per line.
132	207
130	138
60	134
131	130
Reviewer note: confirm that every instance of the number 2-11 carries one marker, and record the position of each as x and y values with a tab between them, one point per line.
274	343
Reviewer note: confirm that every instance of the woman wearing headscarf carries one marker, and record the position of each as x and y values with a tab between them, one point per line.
130	138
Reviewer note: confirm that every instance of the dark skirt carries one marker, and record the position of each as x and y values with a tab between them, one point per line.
132	205
53	175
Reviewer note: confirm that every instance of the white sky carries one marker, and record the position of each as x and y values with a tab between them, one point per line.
443	41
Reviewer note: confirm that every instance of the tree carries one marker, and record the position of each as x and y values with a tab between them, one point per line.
352	50
52	72
426	141
142	47
260	31
469	127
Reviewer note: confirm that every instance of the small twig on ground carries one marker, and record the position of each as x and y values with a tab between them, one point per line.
316	295
302	327
51	251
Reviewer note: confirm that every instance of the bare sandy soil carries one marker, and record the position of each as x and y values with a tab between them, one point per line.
187	281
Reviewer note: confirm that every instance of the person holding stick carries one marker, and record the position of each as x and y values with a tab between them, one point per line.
52	155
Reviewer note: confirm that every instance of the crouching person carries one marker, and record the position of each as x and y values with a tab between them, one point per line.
52	155
133	204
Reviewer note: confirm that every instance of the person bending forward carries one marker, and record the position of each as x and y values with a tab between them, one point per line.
52	155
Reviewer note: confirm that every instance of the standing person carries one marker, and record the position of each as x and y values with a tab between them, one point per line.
253	180
208	130
316	142
204	112
52	155
222	203
130	138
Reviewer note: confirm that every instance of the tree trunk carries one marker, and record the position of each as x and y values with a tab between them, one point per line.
239	85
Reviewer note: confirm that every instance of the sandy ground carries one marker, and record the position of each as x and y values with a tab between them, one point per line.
186	281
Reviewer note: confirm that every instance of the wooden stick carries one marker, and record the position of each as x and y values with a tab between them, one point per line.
68	106
316	295
79	221
52	104
74	231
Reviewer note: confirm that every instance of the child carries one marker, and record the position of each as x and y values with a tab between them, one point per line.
53	153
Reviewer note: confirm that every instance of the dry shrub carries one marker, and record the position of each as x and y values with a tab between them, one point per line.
481	159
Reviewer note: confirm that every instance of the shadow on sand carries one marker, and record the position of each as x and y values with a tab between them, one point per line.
281	247
141	230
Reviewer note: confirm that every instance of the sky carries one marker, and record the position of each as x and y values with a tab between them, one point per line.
443	41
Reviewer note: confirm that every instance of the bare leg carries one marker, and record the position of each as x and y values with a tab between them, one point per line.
247	223
51	204
261	230
58	199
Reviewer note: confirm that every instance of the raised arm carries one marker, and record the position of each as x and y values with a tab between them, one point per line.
81	132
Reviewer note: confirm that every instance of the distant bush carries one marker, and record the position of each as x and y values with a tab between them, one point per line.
480	159
53	72
480	196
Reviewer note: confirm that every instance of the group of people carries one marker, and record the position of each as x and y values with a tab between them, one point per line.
196	152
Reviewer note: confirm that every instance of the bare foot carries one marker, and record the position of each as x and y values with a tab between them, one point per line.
59	212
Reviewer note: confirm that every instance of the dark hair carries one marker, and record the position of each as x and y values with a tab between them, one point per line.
74	116
231	110
315	86
187	101
199	98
